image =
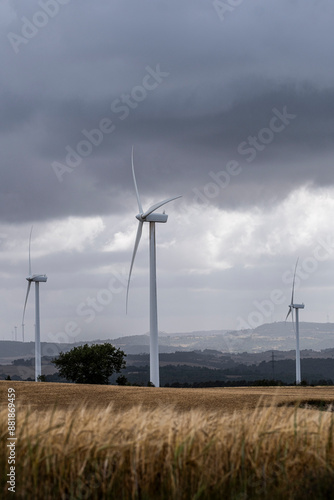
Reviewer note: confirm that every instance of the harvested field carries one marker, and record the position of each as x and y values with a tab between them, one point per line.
223	399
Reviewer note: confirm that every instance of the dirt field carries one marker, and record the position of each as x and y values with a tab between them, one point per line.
47	395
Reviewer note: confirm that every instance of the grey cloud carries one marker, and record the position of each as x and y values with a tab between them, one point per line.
225	79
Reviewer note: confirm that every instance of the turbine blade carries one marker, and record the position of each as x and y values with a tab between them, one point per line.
139	232
289	312
25	303
29	251
158	205
135	183
294	279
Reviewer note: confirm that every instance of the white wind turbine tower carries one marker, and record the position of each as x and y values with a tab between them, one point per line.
296	307
152	217
37	279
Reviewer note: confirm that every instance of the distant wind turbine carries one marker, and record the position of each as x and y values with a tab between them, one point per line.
37	279
152	217
293	306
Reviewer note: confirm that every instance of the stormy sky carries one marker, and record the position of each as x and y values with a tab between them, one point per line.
227	103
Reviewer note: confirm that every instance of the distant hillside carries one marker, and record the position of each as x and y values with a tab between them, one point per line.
274	336
278	336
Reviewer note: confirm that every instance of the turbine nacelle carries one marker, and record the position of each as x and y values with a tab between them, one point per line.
297	306
153	217
40	278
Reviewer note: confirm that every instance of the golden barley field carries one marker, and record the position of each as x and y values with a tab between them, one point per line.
107	442
225	399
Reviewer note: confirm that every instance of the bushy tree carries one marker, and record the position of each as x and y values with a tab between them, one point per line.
90	364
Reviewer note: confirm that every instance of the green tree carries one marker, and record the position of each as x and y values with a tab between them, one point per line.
90	364
122	380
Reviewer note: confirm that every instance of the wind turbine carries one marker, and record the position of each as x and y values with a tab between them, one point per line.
37	279
293	306
152	217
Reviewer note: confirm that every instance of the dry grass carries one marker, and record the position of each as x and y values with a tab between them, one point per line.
159	451
224	399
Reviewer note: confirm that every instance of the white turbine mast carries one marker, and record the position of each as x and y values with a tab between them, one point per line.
152	217
295	307
37	279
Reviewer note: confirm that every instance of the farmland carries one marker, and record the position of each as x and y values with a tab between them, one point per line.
85	441
46	395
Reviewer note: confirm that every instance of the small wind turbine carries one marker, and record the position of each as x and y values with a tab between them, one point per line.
37	279
293	306
152	217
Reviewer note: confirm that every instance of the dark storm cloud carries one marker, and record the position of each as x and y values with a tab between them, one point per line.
224	80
